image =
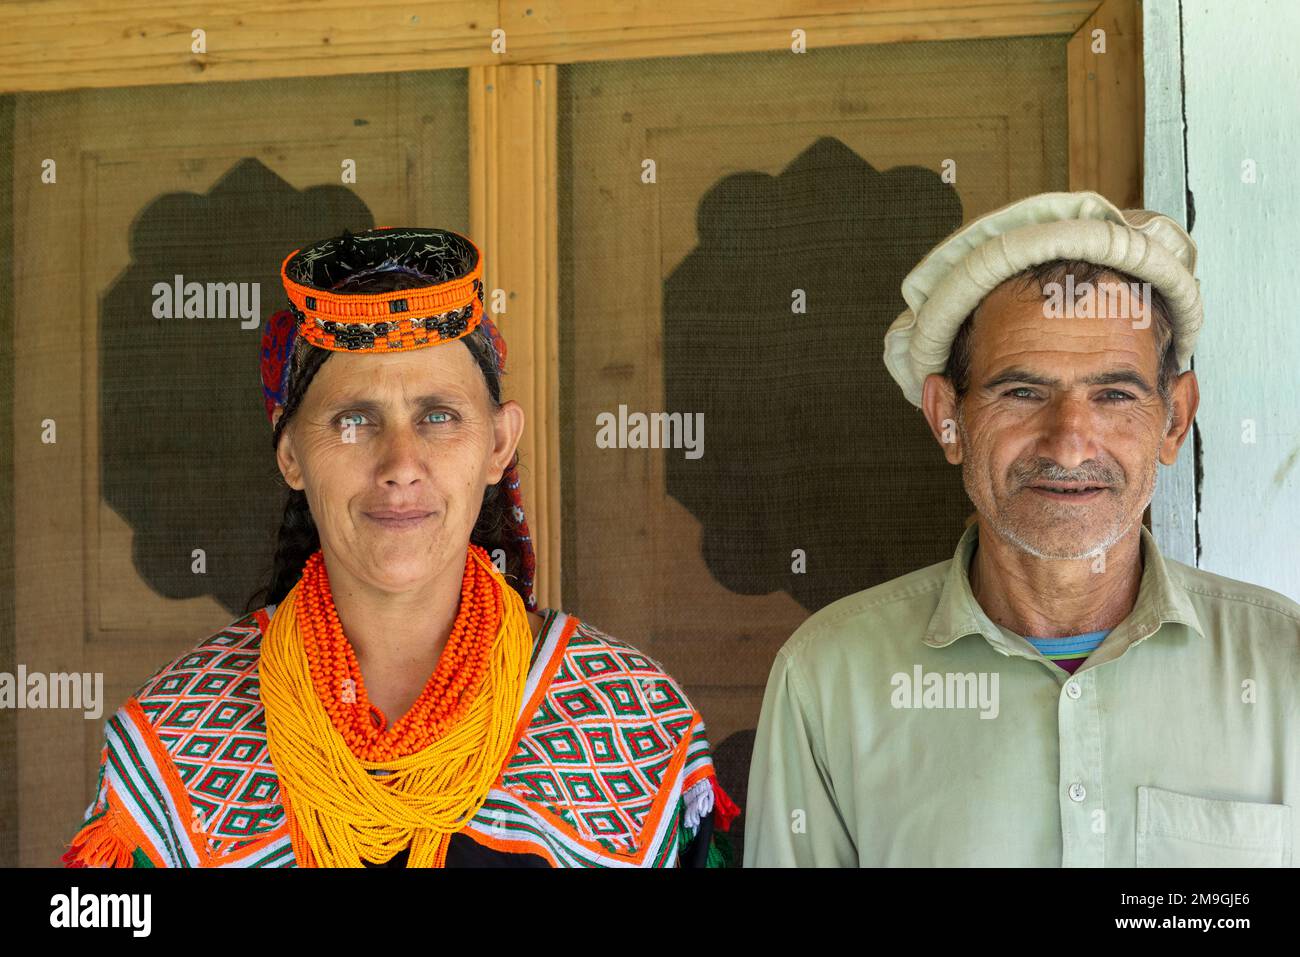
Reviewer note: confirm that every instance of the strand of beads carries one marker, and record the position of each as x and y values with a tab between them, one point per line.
450	690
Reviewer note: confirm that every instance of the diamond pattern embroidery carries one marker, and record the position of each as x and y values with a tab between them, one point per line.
205	709
602	738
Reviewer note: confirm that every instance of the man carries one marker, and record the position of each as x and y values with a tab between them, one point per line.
1058	693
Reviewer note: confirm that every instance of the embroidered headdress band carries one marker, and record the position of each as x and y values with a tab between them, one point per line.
448	308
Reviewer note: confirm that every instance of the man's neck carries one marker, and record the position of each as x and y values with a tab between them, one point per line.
1054	598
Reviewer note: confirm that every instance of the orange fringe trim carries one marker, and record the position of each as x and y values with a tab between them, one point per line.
98	845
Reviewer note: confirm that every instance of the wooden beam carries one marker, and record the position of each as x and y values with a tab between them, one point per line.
580	30
72	44
513	217
1105	97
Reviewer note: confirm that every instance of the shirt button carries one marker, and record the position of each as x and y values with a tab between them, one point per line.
1077	792
1073	690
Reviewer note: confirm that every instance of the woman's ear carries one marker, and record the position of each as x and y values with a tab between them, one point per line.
507	429
285	455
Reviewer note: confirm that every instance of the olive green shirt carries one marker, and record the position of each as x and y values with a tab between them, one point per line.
902	727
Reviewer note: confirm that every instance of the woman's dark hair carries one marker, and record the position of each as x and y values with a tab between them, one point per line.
297	537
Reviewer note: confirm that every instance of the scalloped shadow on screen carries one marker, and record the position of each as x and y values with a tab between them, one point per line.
809	444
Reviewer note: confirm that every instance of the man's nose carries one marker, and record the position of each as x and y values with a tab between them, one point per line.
1068	431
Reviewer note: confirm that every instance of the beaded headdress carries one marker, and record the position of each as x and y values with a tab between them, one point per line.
450	307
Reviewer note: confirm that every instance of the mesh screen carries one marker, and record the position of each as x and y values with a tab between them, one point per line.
163	444
734	233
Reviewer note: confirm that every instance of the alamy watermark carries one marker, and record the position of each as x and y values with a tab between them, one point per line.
947	690
78	691
76	909
214	300
651	430
1100	300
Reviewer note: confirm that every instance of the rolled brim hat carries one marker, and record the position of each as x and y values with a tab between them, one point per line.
947	285
450	307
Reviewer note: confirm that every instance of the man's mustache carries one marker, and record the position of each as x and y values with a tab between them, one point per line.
1045	470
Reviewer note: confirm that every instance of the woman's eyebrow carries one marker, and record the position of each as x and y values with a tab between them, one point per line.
363	403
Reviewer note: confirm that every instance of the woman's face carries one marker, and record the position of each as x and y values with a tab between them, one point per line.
394	452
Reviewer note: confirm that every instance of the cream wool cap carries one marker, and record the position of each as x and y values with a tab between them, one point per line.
958	273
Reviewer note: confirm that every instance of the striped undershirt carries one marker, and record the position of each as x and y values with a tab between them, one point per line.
1071	651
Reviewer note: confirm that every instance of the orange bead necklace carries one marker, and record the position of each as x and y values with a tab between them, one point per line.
450	690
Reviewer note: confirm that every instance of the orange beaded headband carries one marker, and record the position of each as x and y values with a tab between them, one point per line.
395	321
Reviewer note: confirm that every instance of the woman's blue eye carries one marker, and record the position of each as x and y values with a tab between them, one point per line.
358	418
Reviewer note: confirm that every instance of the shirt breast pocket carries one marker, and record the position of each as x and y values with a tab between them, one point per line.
1181	830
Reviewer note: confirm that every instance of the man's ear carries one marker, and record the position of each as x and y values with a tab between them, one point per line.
507	429
939	404
1185	398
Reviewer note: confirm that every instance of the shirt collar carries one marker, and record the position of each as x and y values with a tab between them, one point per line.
1159	600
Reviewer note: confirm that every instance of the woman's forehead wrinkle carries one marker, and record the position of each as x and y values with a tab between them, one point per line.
374	380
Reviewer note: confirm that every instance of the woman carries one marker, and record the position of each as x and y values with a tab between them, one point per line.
401	586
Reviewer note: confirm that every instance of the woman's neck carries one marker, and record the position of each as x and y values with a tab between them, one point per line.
398	637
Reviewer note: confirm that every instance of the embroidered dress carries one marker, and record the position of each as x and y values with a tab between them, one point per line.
610	766
583	754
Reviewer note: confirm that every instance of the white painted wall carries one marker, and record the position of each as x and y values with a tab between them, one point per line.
1240	94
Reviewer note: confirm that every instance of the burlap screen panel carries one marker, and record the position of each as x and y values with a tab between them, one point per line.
734	232
163	442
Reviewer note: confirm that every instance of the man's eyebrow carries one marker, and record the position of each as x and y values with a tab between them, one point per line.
1111	377
1120	377
1017	374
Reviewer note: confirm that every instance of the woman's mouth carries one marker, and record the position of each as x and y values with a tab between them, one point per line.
398	520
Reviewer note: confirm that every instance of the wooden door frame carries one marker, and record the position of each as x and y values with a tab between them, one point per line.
512	49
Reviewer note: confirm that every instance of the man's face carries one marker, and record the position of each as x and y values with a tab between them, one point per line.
1055	405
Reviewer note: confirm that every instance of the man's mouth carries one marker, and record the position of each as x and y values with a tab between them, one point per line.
1078	491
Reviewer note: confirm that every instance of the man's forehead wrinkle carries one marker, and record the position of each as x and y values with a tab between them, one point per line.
1033	336
1114	363
1054	355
